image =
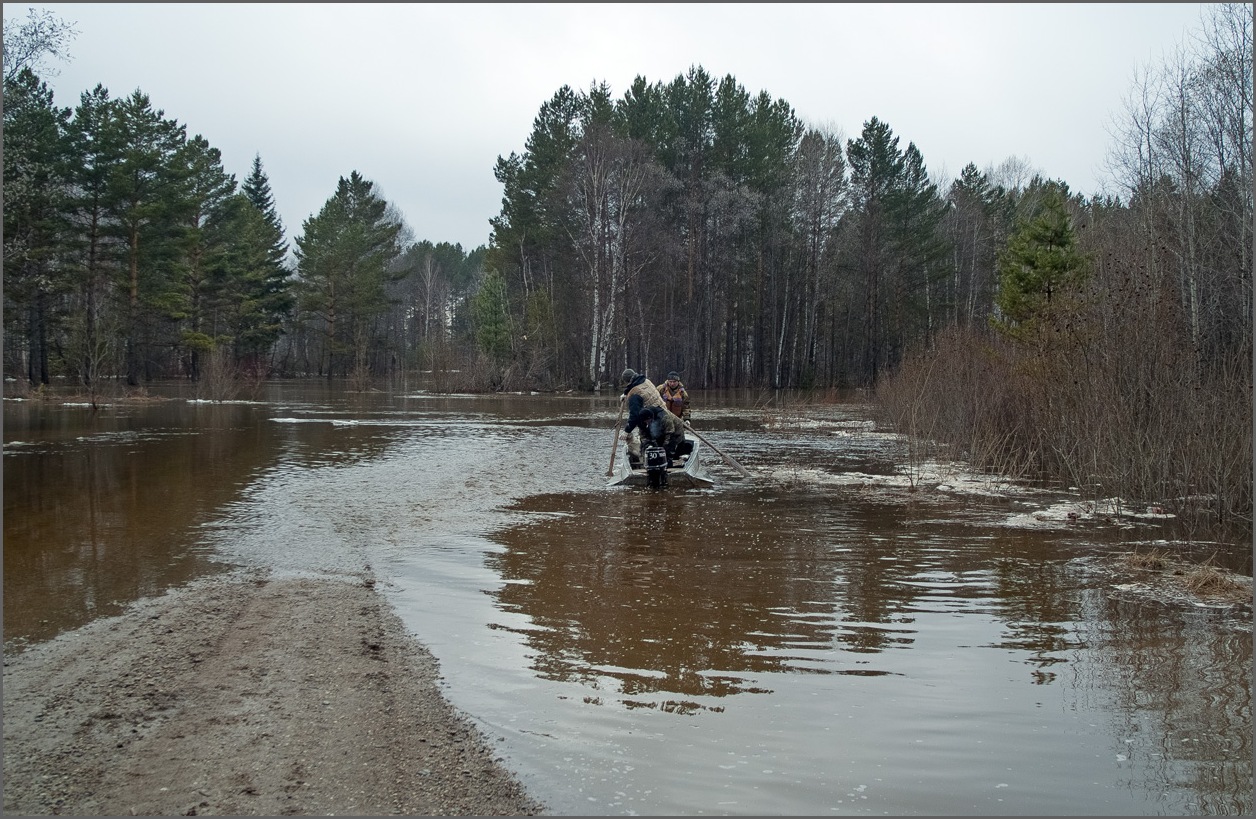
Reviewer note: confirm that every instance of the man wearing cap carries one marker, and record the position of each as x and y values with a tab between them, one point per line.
649	416
675	396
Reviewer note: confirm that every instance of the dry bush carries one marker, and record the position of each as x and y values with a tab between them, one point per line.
1109	410
474	373
959	397
18	388
251	377
218	380
360	377
1169	579
1211	581
909	403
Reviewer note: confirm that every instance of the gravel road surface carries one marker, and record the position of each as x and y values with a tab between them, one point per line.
245	694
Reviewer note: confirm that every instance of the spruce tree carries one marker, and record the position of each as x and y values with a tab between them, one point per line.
491	318
254	297
256	187
269	277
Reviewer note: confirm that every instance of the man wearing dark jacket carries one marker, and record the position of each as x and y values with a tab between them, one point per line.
648	415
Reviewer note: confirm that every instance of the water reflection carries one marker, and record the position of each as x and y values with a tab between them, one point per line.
677	602
102	508
97	506
683	594
1162	675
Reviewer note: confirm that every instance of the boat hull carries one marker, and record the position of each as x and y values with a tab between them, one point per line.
689	475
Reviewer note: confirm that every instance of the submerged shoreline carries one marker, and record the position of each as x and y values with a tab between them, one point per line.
245	694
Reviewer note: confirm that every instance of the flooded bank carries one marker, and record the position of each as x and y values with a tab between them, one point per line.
832	635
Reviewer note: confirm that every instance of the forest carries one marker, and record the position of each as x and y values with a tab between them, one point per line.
686	224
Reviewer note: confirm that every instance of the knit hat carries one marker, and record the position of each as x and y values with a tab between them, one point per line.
628	377
673	375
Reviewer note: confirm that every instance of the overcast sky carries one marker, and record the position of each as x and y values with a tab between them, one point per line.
422	98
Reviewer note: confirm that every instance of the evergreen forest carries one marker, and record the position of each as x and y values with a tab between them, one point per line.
686	224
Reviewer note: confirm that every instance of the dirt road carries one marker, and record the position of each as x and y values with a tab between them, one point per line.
245	695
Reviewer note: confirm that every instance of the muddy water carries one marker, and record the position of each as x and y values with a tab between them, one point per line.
847	631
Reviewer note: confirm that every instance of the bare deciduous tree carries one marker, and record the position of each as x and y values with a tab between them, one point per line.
31	43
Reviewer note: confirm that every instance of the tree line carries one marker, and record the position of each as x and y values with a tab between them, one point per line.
1101	342
686	225
692	225
131	255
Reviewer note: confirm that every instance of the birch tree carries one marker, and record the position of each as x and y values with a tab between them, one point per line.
606	187
820	201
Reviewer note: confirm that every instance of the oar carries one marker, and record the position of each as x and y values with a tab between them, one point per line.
610	470
727	458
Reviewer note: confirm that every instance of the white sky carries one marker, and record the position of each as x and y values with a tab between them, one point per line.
422	98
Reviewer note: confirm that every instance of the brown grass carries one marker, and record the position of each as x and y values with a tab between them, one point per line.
1214	583
1154	561
1174	579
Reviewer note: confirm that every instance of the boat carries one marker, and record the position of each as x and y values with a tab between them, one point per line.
687	473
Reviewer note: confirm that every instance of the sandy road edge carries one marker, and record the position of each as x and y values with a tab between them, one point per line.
245	694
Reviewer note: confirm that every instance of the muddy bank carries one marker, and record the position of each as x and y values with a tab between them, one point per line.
245	695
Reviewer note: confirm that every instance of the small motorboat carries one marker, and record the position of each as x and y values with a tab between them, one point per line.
655	473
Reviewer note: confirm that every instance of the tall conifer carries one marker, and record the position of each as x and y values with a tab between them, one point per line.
344	256
257	188
35	209
95	252
148	198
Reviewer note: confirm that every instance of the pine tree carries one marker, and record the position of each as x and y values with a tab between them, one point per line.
1041	265
920	251
976	224
528	236
819	201
343	258
730	148
645	116
194	295
876	165
36	206
148	199
96	250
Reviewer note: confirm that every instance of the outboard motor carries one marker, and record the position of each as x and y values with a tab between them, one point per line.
655	465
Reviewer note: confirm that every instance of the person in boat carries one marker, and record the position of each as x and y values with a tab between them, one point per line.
656	426
675	396
649	418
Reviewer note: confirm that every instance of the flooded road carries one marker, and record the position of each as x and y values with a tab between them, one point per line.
835	634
